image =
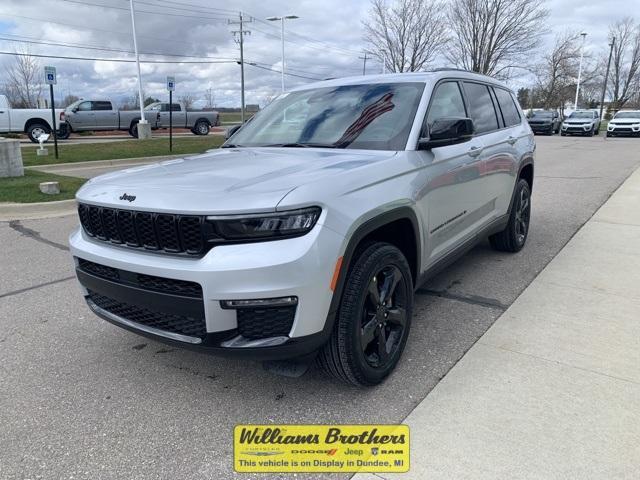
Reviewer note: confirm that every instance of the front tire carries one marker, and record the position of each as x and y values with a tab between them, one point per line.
37	129
514	236
373	319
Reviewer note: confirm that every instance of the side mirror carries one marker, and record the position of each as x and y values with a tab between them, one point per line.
74	109
447	131
231	131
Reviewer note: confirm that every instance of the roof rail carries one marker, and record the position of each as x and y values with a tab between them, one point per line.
445	69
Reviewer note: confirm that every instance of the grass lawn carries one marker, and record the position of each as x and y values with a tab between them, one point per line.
25	189
233	117
121	149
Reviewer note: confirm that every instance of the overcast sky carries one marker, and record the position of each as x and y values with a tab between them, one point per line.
325	41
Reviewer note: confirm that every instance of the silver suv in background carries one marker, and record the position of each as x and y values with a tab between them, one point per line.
581	122
306	234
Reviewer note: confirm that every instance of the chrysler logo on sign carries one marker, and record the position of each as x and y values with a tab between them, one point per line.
129	198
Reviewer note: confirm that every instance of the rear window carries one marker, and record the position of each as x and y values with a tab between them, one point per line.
481	109
510	113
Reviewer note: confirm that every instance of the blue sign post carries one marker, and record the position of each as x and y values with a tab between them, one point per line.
50	79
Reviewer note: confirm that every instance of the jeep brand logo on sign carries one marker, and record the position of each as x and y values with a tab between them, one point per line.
129	198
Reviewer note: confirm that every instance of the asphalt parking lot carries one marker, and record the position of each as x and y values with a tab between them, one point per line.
81	398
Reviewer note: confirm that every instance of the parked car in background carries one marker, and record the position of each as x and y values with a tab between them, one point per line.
581	122
545	121
100	114
198	121
32	121
624	123
307	234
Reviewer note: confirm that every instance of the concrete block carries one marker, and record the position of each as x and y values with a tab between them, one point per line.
42	152
50	188
10	158
144	130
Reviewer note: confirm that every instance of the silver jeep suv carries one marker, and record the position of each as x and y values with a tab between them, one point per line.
307	233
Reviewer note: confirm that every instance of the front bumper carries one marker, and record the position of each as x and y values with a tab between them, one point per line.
300	267
541	128
623	130
577	129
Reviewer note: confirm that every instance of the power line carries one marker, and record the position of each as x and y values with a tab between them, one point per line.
221	19
120	60
104	49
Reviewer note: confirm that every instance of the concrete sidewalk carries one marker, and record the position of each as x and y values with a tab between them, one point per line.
552	390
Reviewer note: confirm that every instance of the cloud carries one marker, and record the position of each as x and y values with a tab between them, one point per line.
324	42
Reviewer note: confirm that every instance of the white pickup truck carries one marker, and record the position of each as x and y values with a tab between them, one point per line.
32	121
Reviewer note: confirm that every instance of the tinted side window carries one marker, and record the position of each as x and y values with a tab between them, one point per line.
481	109
84	107
446	101
508	107
101	106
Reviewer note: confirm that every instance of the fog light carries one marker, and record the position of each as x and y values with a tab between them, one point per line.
262	302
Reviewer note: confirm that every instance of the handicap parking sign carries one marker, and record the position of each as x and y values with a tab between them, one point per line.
50	75
171	84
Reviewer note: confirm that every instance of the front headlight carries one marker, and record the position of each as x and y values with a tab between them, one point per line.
293	223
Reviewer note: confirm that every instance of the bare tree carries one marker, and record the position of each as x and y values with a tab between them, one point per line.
624	79
406	35
23	86
69	99
187	100
556	73
495	36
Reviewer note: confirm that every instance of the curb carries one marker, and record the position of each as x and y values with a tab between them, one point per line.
54	167
30	211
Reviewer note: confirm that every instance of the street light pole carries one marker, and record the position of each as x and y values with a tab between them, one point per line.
606	77
282	19
583	35
135	47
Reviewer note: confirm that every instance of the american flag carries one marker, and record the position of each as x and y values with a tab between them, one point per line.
368	115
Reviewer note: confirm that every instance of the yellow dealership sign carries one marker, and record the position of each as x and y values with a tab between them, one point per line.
321	448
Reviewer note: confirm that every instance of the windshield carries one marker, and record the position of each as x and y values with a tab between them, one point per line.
627	115
373	116
581	115
542	115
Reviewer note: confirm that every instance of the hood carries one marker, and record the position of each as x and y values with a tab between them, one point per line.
625	121
223	181
579	121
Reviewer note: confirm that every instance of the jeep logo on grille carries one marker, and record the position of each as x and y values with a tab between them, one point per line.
129	198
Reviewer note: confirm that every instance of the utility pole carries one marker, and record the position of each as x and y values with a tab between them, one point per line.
364	63
606	77
238	36
583	35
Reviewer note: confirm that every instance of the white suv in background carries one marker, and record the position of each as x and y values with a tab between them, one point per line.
625	123
307	233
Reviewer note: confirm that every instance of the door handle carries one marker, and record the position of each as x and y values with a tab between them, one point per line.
475	151
512	140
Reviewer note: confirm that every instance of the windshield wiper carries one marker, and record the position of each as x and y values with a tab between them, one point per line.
303	145
230	145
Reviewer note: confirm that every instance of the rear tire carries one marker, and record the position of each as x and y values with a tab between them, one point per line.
373	319
514	236
201	128
37	129
133	130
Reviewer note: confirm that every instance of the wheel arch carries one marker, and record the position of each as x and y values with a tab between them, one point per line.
35	120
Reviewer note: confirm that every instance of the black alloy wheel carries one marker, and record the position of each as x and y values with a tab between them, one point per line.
384	316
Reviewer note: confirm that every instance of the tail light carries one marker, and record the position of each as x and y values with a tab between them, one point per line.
62	117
